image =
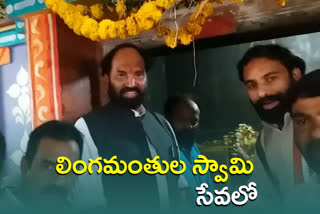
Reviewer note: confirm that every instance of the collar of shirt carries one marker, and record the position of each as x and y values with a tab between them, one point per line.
287	120
310	176
285	132
139	112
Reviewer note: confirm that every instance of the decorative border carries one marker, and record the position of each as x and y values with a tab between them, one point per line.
44	68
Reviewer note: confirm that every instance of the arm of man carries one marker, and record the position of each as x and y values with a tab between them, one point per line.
89	189
183	185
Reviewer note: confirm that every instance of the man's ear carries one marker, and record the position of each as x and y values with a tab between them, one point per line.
24	166
297	74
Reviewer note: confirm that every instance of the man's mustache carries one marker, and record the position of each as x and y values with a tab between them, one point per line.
268	99
127	89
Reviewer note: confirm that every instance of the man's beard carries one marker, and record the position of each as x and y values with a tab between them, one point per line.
131	103
276	114
312	155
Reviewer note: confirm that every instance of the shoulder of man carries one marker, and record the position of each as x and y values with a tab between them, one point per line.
8	192
163	121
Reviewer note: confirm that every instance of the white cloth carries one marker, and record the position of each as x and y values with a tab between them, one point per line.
89	189
278	148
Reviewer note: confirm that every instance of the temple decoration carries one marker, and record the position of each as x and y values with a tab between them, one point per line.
44	68
12	34
119	19
90	21
281	2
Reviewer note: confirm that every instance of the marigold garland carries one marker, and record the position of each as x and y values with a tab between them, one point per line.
192	28
146	18
121	8
97	11
89	22
281	2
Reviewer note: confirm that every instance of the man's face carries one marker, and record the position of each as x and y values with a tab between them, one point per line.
185	121
41	179
127	78
306	120
267	82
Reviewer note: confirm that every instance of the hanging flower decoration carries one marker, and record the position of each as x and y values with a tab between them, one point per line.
281	2
89	21
193	28
121	8
97	11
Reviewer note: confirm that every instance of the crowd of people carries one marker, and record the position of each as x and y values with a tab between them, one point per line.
287	151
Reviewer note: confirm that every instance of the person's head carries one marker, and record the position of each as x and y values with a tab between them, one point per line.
305	110
125	70
38	167
267	72
2	153
184	115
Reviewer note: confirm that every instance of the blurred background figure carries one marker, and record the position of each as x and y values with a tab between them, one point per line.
305	111
306	120
41	187
184	115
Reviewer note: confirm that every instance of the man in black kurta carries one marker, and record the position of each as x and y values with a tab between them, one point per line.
124	128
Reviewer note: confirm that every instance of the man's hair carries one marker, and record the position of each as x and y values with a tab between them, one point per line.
56	130
273	52
2	152
106	63
307	87
172	102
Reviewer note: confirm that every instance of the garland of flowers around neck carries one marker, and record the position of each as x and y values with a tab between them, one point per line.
89	22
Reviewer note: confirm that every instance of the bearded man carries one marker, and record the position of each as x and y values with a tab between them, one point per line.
124	128
268	71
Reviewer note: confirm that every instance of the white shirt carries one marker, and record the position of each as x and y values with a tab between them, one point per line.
278	147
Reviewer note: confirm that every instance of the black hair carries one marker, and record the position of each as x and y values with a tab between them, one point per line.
2	152
172	102
274	52
56	130
307	87
106	62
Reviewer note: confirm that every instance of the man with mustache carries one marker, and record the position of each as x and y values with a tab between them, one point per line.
184	116
268	71
41	187
124	128
305	112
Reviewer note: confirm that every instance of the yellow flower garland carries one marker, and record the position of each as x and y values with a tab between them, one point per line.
192	28
76	17
83	20
121	8
97	11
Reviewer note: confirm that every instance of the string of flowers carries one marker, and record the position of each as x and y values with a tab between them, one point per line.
78	18
193	28
89	22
